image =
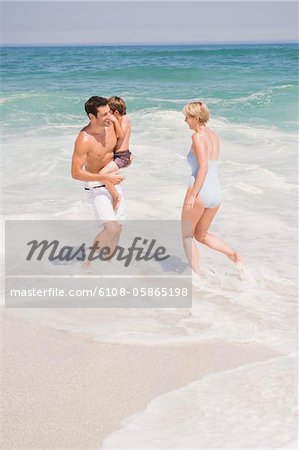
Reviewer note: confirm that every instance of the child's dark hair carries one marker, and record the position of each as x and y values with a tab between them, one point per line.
117	104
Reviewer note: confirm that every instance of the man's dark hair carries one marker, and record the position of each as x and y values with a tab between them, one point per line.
93	103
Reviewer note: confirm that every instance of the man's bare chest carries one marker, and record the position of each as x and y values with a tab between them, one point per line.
98	151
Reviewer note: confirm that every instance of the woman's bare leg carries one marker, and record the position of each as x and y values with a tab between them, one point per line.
202	235
190	219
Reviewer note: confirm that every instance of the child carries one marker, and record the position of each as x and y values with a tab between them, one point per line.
122	155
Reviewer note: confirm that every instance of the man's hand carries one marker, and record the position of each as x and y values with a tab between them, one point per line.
113	177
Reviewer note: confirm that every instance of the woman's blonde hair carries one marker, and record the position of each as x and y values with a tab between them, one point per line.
197	109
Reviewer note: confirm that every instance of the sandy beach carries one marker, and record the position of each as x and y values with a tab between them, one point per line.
224	372
64	390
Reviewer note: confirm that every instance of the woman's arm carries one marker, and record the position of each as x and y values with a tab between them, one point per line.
200	150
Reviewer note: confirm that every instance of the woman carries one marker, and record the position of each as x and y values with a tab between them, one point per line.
203	195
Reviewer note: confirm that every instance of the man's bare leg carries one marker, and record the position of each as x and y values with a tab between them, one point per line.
108	237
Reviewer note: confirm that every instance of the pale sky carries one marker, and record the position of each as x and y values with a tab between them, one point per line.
138	22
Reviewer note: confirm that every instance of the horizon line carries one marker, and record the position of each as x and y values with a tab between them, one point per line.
136	44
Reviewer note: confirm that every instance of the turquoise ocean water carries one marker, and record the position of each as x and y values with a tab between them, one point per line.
252	92
255	84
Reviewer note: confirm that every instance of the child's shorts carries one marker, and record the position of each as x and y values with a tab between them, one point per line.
122	159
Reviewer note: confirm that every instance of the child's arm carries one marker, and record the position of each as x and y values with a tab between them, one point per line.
118	128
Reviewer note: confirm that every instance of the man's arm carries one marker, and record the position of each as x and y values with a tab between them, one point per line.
78	161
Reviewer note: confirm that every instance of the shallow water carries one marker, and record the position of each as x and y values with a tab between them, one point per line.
254	111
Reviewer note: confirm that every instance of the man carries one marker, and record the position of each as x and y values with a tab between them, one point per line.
94	148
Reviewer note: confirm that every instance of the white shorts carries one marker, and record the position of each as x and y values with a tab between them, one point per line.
101	201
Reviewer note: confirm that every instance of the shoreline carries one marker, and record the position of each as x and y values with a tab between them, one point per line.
66	390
